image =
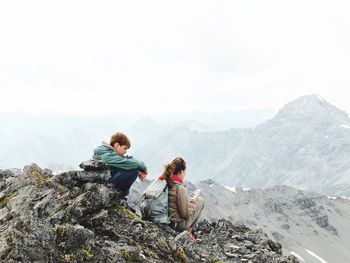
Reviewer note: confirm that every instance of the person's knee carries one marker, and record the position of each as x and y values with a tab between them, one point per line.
123	179
126	174
133	173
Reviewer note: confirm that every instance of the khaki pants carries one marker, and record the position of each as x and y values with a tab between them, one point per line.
194	217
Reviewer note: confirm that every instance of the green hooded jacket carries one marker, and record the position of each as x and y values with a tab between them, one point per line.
106	153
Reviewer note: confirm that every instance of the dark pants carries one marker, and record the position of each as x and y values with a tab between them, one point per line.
122	180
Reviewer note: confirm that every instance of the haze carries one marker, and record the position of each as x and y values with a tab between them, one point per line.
108	57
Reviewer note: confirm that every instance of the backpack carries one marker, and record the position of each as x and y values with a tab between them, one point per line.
154	202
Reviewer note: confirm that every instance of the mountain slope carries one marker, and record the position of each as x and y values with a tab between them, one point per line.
297	219
306	145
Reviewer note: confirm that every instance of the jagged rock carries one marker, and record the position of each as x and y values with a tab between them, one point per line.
306	202
94	166
276	247
66	218
322	221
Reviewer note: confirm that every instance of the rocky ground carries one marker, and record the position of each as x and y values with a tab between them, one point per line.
74	217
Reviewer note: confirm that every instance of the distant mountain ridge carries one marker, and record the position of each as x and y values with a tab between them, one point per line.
60	142
306	145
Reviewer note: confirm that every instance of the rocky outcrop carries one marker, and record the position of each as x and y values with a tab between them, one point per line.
74	217
322	221
317	213
306	203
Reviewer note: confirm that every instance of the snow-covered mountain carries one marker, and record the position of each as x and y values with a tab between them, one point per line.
306	145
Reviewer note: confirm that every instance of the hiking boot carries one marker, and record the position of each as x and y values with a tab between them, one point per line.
194	239
193	236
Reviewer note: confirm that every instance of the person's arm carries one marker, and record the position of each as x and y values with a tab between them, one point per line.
118	161
182	202
142	169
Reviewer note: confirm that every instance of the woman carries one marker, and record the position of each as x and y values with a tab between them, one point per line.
183	212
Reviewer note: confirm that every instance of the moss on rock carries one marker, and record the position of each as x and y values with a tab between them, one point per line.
181	256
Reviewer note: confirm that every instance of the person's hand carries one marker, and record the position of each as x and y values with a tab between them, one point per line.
195	194
142	175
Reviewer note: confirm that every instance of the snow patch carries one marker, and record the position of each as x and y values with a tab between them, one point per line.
297	256
335	197
246	189
326	136
231	188
316	256
345	126
211	185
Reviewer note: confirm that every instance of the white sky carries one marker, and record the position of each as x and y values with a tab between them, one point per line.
150	56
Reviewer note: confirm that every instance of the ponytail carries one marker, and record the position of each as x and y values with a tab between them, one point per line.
168	173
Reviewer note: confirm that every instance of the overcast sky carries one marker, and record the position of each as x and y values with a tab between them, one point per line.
150	56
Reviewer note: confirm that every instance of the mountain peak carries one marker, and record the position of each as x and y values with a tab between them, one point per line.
314	101
310	106
311	99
